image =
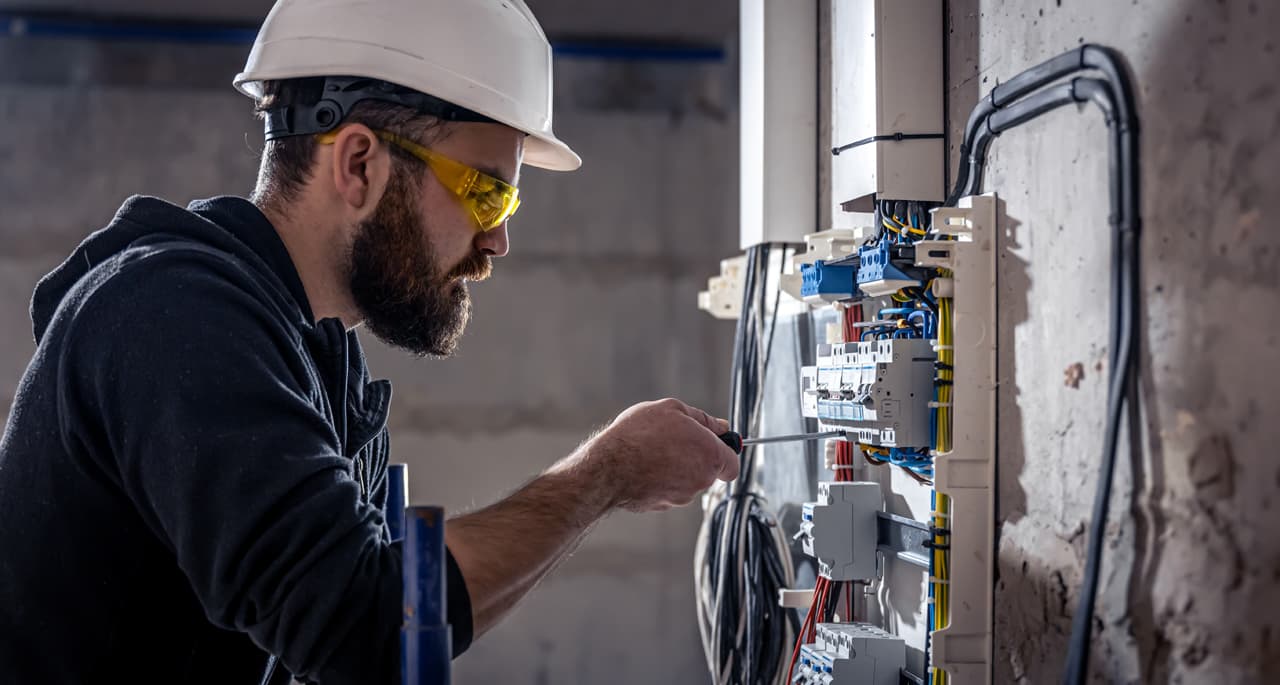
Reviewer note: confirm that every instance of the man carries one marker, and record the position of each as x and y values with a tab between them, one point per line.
192	477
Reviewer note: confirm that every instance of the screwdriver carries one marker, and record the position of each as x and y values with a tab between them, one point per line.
736	442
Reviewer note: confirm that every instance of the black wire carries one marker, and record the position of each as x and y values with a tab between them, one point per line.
748	590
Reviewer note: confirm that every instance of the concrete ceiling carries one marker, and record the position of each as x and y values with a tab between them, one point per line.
705	20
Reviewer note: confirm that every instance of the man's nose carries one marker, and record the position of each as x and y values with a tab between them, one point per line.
493	242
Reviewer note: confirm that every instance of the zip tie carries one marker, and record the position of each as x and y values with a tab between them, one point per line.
939	581
939	348
939	405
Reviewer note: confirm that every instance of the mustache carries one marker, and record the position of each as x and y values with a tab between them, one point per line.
476	267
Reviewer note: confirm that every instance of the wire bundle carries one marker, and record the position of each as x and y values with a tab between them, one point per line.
939	577
944	375
826	596
915	316
743	558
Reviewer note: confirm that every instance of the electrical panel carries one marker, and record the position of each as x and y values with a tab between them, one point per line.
886	103
892	355
894	327
904	353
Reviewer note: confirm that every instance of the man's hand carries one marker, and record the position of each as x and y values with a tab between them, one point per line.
654	456
661	454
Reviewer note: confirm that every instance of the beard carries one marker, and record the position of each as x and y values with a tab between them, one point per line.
403	295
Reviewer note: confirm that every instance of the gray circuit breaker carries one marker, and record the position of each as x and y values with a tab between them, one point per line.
852	654
878	391
839	530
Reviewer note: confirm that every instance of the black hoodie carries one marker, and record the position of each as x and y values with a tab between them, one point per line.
192	476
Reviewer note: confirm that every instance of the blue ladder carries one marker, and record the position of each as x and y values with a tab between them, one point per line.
426	648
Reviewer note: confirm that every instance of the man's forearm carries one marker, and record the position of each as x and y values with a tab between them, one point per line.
504	550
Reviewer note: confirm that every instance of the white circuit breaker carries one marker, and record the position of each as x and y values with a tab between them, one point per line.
878	391
851	654
839	529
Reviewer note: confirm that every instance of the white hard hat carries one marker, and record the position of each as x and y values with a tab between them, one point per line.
486	56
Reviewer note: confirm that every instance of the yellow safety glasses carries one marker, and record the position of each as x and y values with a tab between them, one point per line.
491	201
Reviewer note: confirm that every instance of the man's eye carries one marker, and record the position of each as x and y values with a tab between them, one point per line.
490	199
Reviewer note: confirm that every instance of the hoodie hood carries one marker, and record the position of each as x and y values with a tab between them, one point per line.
229	224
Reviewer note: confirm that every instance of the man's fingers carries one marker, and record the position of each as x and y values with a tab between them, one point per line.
713	424
728	466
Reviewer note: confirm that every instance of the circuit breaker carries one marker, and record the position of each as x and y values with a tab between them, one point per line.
839	530
877	391
852	654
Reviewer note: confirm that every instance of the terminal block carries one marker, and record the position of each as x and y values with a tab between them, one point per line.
839	530
877	274
823	282
877	391
849	654
723	296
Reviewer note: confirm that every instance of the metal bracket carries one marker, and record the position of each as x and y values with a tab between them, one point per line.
903	539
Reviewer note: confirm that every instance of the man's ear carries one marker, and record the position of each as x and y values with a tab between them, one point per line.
360	166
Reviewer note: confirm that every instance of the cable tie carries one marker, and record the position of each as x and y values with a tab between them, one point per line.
896	137
939	581
939	405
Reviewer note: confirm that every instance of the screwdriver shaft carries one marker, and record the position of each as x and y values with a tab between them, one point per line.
799	437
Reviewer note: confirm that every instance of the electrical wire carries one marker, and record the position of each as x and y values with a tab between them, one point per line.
742	557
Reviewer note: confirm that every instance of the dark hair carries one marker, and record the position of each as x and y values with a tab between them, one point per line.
287	162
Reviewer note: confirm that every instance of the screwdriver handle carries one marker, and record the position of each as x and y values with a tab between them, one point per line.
733	440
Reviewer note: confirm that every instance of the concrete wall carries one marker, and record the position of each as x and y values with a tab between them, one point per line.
593	310
1191	576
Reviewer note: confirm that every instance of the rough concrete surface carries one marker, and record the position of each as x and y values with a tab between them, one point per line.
1190	581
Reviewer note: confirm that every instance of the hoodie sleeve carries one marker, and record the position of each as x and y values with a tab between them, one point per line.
184	381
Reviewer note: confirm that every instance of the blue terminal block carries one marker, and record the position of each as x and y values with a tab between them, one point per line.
833	280
877	275
426	640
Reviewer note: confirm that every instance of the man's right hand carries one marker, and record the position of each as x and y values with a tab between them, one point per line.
658	455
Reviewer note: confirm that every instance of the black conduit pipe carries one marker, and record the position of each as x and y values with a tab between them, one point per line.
1009	105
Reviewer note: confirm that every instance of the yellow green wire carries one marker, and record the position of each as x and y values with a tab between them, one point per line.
942	518
895	224
942	574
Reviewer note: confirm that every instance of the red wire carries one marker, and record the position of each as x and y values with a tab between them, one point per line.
808	626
